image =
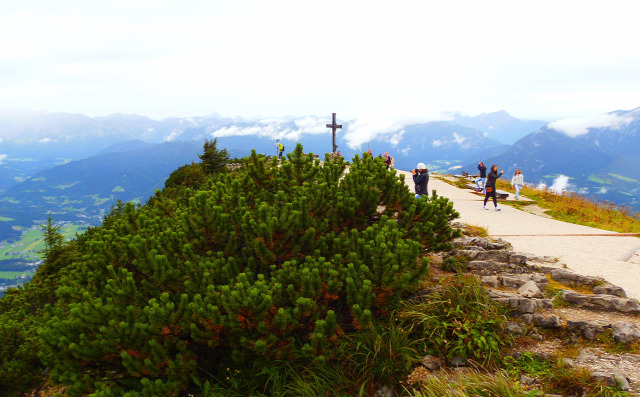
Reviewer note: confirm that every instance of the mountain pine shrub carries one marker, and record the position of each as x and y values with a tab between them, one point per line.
22	310
269	263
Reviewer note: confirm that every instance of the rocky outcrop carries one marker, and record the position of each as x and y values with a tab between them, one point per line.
520	281
609	289
601	301
568	277
625	333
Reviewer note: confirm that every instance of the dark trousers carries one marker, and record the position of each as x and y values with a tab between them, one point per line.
492	194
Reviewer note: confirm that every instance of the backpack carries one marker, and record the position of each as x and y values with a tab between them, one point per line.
282	148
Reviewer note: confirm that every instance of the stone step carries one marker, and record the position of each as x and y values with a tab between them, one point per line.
601	302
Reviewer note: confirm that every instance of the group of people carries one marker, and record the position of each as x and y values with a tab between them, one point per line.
489	183
421	179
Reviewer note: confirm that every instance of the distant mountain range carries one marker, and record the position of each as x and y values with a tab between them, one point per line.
76	166
499	125
600	157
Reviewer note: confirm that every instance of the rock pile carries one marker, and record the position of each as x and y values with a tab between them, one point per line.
522	282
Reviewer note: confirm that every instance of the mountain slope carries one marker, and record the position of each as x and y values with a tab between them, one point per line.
601	161
85	189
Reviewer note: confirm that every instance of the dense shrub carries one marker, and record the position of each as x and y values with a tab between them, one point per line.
274	262
460	320
21	317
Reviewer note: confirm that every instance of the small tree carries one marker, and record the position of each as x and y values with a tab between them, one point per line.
52	237
213	160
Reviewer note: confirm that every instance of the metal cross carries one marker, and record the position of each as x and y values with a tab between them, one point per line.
334	127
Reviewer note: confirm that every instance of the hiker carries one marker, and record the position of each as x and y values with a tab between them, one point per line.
483	177
280	150
490	187
421	179
517	182
387	159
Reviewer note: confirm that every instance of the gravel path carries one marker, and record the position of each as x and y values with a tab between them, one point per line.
585	250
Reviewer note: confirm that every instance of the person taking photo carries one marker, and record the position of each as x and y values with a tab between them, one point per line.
421	179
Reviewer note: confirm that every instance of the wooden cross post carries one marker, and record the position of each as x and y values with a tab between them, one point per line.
334	127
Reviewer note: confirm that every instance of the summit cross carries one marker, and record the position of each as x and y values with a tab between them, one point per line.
334	127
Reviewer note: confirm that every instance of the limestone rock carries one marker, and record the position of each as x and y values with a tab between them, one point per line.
517	259
588	329
527	318
624	332
610	289
431	362
612	378
599	301
484	242
487	266
515	328
530	290
526	305
568	277
527	380
491	281
514	280
552	321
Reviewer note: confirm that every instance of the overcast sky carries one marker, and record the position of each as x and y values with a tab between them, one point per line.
536	59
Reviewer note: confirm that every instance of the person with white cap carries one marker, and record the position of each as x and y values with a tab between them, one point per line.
421	179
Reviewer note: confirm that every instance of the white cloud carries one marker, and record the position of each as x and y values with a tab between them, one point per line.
275	128
574	127
3	157
312	125
45	140
395	139
388	119
602	190
458	138
560	184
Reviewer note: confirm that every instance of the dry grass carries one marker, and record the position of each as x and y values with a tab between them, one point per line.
574	208
476	231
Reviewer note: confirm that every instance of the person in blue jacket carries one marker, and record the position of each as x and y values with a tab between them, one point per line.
421	179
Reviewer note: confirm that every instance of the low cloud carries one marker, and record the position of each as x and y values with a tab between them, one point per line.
274	128
457	138
574	127
602	190
560	184
3	157
389	119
